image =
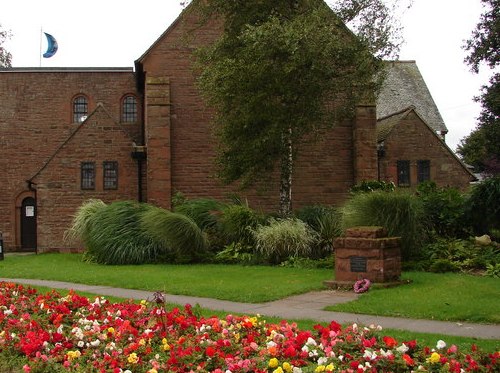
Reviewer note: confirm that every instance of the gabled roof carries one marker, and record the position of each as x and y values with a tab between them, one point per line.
386	124
404	86
100	107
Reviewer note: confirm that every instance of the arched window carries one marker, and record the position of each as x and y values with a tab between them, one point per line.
80	109
129	109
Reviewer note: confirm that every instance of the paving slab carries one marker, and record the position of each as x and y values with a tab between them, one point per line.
304	306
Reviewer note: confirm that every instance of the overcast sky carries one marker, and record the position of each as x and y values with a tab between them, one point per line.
117	32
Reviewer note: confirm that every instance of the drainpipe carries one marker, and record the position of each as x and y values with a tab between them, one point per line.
139	154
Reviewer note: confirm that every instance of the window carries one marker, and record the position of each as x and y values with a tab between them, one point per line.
423	171
110	177
403	173
80	109
129	109
87	175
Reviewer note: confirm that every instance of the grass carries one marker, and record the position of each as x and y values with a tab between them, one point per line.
448	297
252	284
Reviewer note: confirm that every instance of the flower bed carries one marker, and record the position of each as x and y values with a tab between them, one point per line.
71	333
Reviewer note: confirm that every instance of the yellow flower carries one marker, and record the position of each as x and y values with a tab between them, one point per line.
152	370
111	330
142	341
278	370
320	368
435	357
273	363
144	302
237	337
287	367
132	358
330	367
73	354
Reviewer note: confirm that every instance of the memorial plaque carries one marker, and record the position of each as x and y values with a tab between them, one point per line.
358	264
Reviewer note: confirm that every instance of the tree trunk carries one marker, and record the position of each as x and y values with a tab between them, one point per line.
286	175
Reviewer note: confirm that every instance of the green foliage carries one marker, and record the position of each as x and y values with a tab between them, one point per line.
326	221
117	237
307	263
236	252
268	78
237	223
83	220
372	185
462	255
483	207
181	236
204	211
401	213
493	270
443	266
284	238
444	210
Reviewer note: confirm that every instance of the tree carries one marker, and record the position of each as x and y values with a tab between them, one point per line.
283	69
5	57
482	147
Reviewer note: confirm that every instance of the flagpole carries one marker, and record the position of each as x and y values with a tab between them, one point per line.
40	52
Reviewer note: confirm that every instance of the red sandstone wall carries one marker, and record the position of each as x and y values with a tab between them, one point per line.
35	119
58	185
412	140
323	172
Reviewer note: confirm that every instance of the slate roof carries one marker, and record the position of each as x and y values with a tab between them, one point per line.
404	86
386	124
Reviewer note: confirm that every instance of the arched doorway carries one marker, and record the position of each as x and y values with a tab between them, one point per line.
28	224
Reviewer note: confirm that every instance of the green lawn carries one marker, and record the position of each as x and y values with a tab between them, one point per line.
253	284
449	296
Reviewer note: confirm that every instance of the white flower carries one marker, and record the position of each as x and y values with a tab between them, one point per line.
403	348
322	360
311	342
440	344
60	329
7	312
95	343
80	344
296	370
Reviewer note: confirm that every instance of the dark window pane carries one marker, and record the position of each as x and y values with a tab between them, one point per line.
423	171
80	109
87	175
110	175
129	109
403	173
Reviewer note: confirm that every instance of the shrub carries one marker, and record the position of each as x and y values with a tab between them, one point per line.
178	233
117	237
83	220
284	238
236	252
401	213
465	255
326	222
483	207
443	265
444	210
373	185
203	211
237	222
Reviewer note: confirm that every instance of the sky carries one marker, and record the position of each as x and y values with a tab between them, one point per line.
114	33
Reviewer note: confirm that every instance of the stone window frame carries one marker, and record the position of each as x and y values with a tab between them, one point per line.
87	175
110	175
403	170
80	108
423	170
129	111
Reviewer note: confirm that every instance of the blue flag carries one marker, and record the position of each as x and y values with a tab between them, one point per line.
52	46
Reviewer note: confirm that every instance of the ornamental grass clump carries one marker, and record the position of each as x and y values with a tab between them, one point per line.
117	237
83	220
284	238
179	234
203	211
401	213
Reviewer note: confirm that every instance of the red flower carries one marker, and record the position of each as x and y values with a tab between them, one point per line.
409	361
390	342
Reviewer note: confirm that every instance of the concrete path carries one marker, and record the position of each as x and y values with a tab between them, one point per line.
305	306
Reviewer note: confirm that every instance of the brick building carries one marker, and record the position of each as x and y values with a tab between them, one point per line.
71	134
